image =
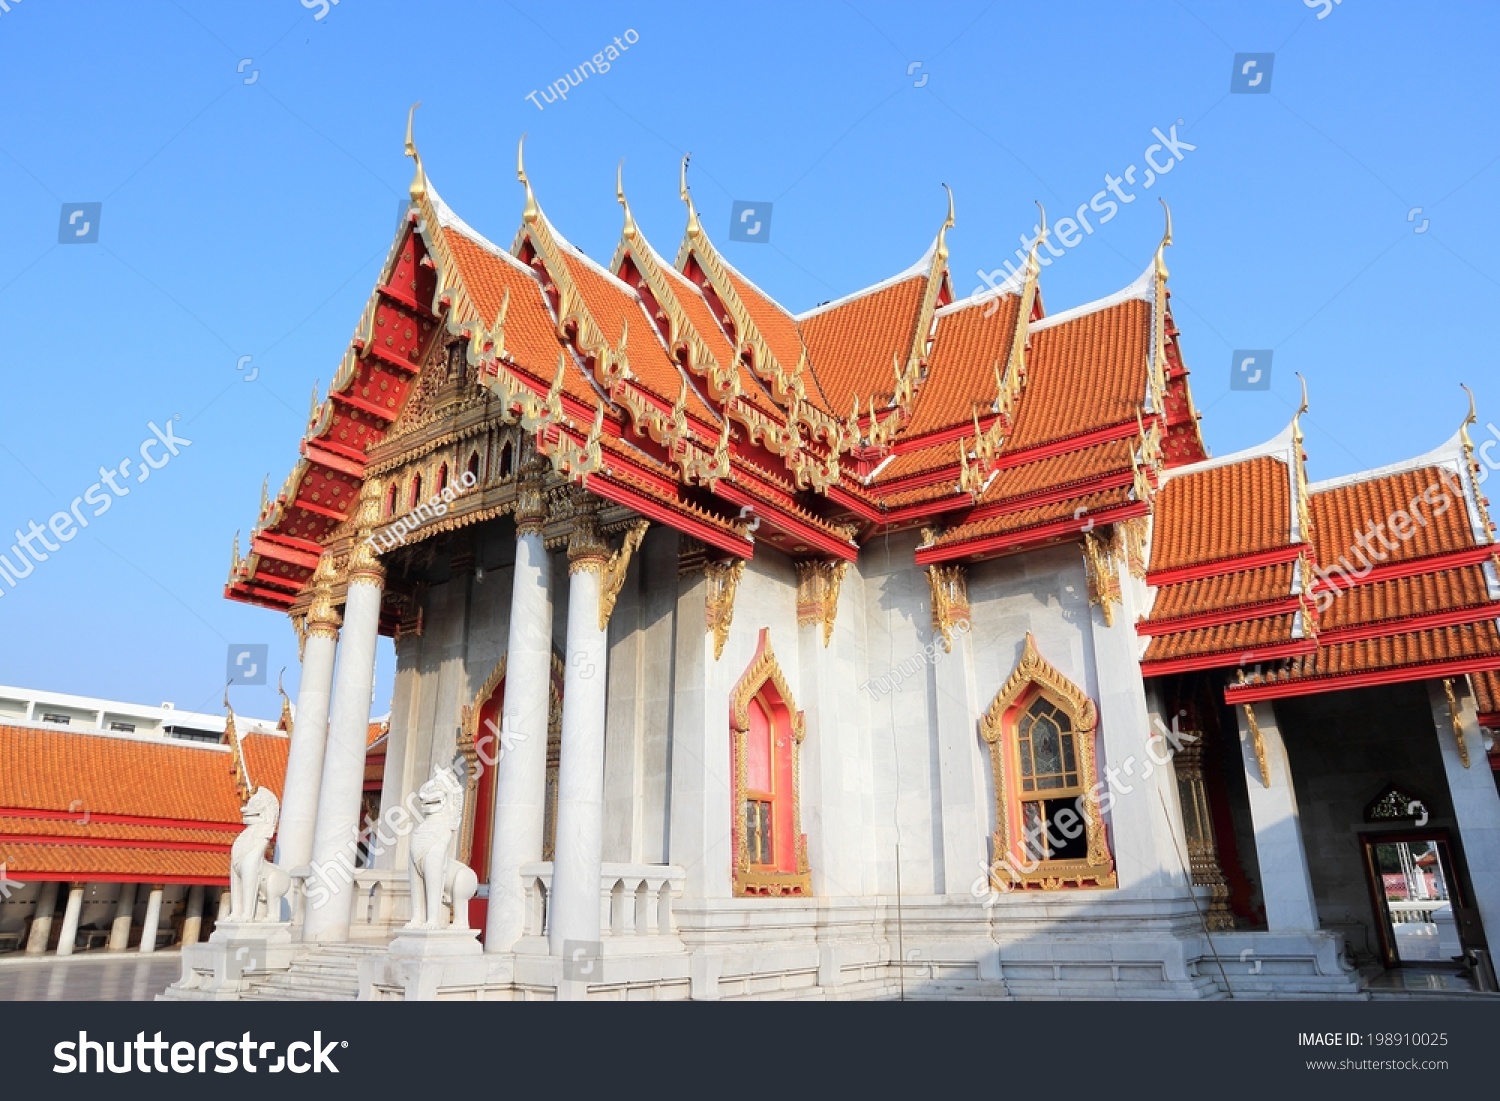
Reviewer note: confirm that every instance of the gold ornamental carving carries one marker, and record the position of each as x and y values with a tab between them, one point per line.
1455	717
818	585
950	601
364	566
1258	743
531	495
1034	676
723	582
1103	576
1197	820
612	577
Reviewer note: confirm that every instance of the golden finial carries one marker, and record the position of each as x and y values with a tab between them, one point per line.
1166	239
1469	421
532	211
419	180
312	409
1033	267
1297	418
265	488
629	230
942	238
694	227
679	407
227	708
234	562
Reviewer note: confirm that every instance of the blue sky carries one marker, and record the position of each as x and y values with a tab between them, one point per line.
248	161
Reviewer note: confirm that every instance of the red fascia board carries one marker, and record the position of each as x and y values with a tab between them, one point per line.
320	510
677	521
1047	450
307	546
126	877
1490	720
364	406
113	842
402	298
790	523
1227	658
1051	495
269	549
950	551
335	456
1237	613
1474	613
1392	571
251	593
378	351
863	509
1311	686
117	819
1238	564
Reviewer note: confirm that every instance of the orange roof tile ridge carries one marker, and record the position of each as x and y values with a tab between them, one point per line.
922	269
447	219
1450	452
1144	289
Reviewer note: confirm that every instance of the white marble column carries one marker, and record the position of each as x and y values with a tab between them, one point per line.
1476	803
192	915
41	920
304	765
119	931
1285	883
330	885
69	931
574	913
153	920
521	771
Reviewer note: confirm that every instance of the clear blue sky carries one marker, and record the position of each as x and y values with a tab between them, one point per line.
248	159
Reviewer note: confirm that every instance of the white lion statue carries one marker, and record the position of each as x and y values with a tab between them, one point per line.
435	877
253	879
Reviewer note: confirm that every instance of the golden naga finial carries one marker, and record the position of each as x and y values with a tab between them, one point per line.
418	181
1033	266
1297	417
694	227
1469	421
1166	239
234	562
532	211
630	230
942	238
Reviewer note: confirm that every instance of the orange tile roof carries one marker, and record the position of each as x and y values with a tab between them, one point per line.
1240	639
63	771
1239	588
86	827
852	346
961	365
54	861
1084	373
1486	692
265	758
1234	509
1023	518
1439	591
775	325
1390	653
1340	514
1059	471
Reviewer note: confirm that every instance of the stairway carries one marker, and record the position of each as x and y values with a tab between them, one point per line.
325	973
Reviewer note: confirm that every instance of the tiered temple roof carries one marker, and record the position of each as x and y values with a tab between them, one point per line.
684	392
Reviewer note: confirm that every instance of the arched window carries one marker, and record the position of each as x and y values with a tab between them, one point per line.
1049	832
766	730
442	479
416	491
390	500
473	467
505	459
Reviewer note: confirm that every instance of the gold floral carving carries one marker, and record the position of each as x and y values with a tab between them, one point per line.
723	582
531	495
1455	718
818	584
1258	743
1103	576
1133	544
1034	675
766	670
364	566
950	601
1197	819
612	578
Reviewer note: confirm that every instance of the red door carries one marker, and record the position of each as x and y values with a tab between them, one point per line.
487	749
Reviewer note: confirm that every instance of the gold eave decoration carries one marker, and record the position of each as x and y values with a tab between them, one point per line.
1159	317
1455	717
1034	674
910	374
574	321
1103	575
949	586
818	585
1476	473
723	582
1258	742
612	577
572	459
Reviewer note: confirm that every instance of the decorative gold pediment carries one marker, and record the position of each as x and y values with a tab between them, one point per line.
950	600
818	584
723	583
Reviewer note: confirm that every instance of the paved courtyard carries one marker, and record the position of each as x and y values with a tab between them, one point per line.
102	978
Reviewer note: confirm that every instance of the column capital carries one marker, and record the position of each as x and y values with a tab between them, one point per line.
531	494
587	549
323	617
364	566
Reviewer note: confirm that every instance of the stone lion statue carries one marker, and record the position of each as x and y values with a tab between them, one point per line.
252	878
436	878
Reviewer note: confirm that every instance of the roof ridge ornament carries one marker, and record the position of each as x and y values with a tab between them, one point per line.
694	226
419	180
1158	381
1299	460
630	231
532	212
1469	421
941	251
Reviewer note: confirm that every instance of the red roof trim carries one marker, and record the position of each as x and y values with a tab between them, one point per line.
1235	564
1404	625
1016	539
1310	686
1432	563
1223	659
1262	609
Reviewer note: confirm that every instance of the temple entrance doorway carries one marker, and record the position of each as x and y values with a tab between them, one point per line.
1416	897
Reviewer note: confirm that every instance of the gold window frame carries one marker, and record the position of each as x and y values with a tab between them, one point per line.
1034	675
